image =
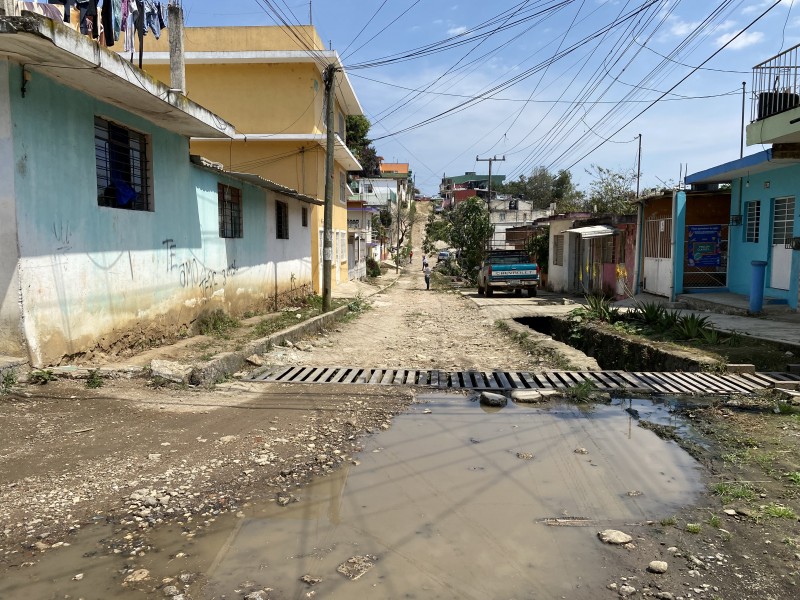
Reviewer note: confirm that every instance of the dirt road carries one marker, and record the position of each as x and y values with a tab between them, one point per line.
114	476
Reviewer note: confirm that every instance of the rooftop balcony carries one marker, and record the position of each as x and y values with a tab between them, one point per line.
775	100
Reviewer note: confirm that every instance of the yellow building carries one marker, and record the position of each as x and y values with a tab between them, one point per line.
267	82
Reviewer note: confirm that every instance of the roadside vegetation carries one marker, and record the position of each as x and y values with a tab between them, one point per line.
658	324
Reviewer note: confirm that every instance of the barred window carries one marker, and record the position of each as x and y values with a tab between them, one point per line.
281	220
305	217
608	249
229	200
123	171
753	212
558	250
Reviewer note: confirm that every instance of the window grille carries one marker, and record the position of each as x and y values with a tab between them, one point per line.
784	221
558	250
281	220
229	200
753	225
123	177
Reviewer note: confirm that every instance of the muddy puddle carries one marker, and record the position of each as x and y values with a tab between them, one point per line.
454	501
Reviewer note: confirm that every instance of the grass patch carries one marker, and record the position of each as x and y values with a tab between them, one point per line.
778	511
714	521
733	490
694	528
793	477
668	522
217	323
583	392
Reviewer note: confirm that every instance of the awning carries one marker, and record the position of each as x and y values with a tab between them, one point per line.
593	231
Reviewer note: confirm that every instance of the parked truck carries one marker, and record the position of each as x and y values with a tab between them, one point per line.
509	270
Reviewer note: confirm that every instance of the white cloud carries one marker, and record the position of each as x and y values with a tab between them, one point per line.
682	28
747	39
457	30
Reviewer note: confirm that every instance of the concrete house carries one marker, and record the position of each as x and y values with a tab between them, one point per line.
457	188
109	233
591	254
764	214
268	82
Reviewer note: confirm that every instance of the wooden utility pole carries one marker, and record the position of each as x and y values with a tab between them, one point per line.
327	223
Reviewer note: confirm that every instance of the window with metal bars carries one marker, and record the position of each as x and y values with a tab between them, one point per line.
123	171
753	224
558	250
281	220
229	200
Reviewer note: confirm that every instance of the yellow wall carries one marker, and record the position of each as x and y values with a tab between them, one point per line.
257	98
237	39
264	98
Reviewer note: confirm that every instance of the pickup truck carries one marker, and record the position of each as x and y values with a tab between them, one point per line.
510	270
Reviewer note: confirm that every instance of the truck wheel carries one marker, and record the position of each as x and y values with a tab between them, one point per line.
489	291
480	290
518	292
532	293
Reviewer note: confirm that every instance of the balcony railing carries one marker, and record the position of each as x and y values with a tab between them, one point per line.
776	85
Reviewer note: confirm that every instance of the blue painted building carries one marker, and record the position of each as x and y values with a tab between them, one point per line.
110	234
764	221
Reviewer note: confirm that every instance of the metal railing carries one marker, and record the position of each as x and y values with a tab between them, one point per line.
776	85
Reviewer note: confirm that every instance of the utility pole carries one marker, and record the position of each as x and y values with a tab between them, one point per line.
397	241
489	187
741	141
327	223
490	161
639	166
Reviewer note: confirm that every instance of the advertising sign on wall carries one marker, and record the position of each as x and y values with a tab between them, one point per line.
704	246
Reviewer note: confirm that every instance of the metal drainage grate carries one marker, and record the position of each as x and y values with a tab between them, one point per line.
658	382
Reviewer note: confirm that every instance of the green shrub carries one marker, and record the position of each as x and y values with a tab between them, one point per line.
94	380
373	268
598	308
41	377
8	381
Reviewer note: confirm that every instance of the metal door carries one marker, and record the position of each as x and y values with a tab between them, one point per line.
781	252
657	264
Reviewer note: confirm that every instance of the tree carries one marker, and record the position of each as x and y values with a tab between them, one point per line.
436	230
360	145
566	195
470	229
543	188
538	247
611	191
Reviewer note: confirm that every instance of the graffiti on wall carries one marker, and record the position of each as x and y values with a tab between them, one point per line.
191	273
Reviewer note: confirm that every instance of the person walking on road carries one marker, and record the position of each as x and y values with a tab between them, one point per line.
427	271
424	262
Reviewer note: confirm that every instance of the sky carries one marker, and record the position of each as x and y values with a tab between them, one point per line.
563	84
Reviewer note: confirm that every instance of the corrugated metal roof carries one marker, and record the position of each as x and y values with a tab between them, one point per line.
593	231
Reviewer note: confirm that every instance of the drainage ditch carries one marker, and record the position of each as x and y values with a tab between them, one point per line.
616	352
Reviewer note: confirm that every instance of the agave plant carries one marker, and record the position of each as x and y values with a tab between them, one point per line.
690	327
710	336
599	307
649	313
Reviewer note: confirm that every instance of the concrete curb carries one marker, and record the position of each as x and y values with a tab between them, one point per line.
228	363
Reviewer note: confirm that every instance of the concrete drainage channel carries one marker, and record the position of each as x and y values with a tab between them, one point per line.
619	382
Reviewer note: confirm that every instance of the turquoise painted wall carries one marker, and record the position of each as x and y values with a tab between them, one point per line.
90	273
782	182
